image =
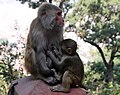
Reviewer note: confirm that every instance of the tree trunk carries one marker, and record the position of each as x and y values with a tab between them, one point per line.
109	73
109	65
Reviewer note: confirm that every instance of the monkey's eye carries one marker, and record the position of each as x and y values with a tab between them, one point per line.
43	13
59	13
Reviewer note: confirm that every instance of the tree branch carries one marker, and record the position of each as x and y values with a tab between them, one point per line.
50	1
100	51
66	13
61	4
117	55
114	51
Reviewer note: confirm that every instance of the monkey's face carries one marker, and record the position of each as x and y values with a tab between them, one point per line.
50	16
59	19
68	46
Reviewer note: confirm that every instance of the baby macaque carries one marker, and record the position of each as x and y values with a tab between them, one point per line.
70	66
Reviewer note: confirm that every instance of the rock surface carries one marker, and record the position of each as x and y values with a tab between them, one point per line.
28	86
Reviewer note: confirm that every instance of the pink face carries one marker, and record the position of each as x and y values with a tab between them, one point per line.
59	18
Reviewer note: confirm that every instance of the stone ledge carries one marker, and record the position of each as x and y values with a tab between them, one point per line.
28	86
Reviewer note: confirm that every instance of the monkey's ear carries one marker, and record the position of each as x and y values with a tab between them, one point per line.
69	50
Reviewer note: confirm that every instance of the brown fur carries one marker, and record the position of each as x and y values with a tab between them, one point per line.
45	30
70	66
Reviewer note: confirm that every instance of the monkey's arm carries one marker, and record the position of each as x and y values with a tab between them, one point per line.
56	50
42	64
41	58
55	60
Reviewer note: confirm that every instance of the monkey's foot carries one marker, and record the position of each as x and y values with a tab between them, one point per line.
50	81
57	88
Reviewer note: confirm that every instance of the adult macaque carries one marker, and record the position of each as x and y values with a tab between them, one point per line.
46	30
70	66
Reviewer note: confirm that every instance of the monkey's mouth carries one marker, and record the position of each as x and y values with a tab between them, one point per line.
61	24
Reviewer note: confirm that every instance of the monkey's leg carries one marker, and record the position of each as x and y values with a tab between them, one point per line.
47	73
65	87
30	61
66	81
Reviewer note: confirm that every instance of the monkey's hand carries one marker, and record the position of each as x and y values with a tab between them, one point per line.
58	54
52	56
57	75
56	51
50	81
50	53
